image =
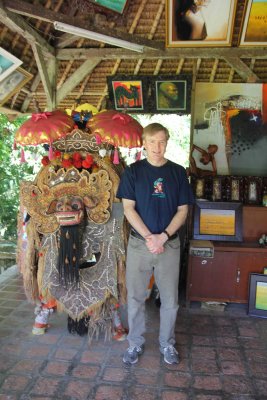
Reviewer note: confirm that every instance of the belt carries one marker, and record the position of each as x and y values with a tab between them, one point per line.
138	236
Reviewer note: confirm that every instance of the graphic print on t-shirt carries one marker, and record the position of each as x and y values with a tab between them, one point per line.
158	188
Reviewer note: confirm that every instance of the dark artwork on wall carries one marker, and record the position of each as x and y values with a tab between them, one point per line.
170	94
249	142
128	92
164	94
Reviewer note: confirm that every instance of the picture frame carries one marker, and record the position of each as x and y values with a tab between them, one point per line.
197	25
257	302
117	6
253	26
8	63
253	189
217	221
236	188
128	92
170	94
13	83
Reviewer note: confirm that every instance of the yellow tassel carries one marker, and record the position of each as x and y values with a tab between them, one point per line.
67	235
66	260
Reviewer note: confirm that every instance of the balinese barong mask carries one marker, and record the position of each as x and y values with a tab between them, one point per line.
77	226
57	198
69	210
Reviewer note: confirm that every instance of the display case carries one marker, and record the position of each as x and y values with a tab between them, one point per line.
225	276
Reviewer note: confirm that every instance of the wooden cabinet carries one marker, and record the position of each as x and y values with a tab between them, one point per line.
224	277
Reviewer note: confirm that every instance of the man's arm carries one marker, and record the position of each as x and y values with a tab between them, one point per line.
178	219
134	218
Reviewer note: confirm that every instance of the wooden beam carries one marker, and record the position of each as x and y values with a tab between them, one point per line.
19	25
43	14
175	53
80	73
242	69
47	83
10	111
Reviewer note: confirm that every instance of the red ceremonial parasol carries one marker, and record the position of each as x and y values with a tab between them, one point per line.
44	127
116	128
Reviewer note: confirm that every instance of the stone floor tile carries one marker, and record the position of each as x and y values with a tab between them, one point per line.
237	385
114	374
261	387
85	371
78	390
232	368
178	380
203	352
209	397
15	383
94	357
56	368
207	382
202	366
27	366
109	393
65	354
170	395
45	386
229	354
141	393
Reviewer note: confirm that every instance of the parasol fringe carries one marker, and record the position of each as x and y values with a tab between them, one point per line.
116	159
50	152
22	157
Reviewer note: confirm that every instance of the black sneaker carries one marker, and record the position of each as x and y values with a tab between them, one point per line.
170	354
131	354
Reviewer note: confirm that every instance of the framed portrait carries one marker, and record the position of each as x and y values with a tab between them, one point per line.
254	32
205	23
127	92
170	94
13	83
217	221
257	303
117	6
8	63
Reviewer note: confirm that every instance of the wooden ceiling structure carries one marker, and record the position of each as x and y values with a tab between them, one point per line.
67	69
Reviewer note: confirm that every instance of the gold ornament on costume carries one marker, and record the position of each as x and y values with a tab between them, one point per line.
77	140
93	188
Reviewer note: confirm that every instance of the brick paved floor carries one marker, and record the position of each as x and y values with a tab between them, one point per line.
223	357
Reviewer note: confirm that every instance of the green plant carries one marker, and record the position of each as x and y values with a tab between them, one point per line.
12	172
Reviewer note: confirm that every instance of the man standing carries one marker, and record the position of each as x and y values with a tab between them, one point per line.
155	193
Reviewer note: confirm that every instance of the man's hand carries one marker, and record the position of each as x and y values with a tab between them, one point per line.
155	243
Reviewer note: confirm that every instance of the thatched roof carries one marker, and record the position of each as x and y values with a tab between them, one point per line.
65	67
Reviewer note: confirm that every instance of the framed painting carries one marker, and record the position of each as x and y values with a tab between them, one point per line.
117	6
202	23
170	94
8	63
218	221
257	302
254	30
13	83
127	92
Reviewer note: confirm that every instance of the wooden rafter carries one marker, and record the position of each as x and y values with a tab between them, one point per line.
19	25
41	13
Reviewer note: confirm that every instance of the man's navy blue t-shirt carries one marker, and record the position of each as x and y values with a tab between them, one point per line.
157	191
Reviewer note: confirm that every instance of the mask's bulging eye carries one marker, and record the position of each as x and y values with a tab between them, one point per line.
76	205
59	206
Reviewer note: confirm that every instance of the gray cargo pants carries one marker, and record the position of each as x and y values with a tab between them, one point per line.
139	267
